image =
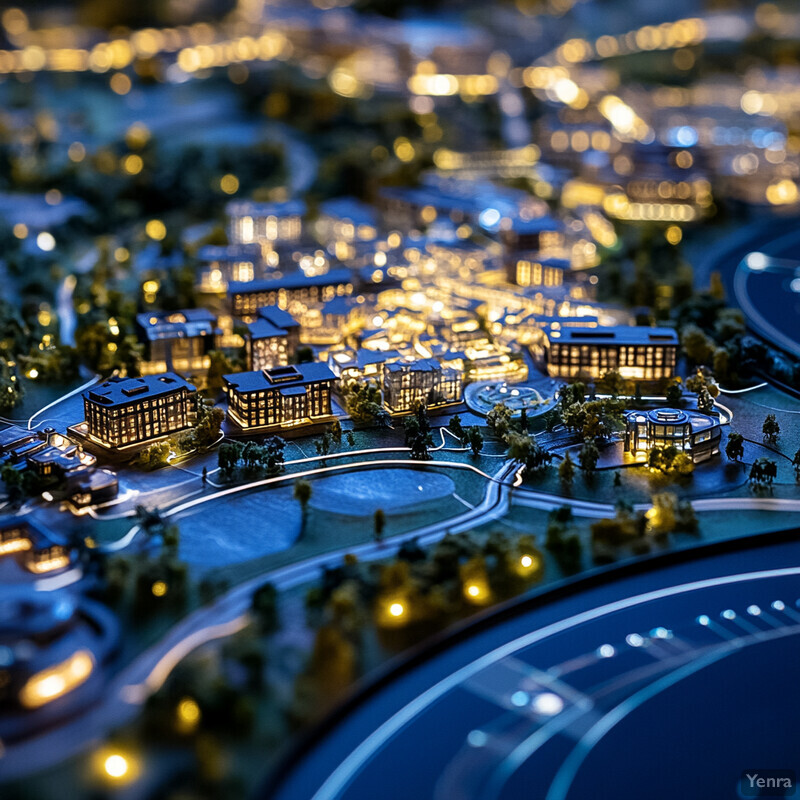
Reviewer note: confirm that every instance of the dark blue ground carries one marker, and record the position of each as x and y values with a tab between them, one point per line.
696	682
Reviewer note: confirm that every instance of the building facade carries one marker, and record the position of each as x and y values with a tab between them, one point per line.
691	432
123	412
280	398
292	293
636	353
272	338
265	223
425	379
176	341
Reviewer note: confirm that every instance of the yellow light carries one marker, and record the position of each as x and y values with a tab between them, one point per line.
53	682
526	561
20	230
156	229
150	287
783	192
121	254
396	609
159	589
673	234
229	184
188	713
120	83
33	373
132	164
403	149
473	590
116	766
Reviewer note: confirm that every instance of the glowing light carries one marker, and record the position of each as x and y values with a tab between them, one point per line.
548	704
756	261
20	230
188	714
703	620
673	234
784	192
396	609
120	83
45	241
489	217
473	590
156	229
33	373
520	699
229	184
606	651
729	613
116	766
132	164
634	639
159	589
526	561
753	610
53	682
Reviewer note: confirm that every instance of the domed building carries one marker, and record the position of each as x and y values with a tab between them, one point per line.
690	432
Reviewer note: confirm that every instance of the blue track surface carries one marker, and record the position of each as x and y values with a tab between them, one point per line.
668	681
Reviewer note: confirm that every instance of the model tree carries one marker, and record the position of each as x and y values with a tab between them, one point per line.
763	472
335	432
379	522
587	457
734	448
302	493
499	420
674	395
796	463
771	429
457	429
475	439
566	470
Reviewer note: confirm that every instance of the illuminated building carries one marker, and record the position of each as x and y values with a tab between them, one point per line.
544	235
343	223
349	364
272	338
64	644
222	264
123	412
176	341
424	379
280	398
293	293
533	270
32	546
265	223
695	434
636	353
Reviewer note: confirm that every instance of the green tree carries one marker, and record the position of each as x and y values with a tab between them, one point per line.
302	493
362	400
566	470
457	429
771	429
614	384
219	365
208	429
336	432
379	523
265	608
674	395
588	457
499	419
475	440
796	462
734	448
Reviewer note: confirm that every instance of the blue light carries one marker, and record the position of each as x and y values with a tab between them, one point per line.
685	136
489	217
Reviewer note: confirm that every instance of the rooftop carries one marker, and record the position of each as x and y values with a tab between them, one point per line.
618	334
279	377
230	252
287	208
121	391
184	324
296	280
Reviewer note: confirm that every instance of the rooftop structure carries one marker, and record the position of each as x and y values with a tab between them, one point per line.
176	341
292	292
123	412
697	435
280	398
265	223
425	379
637	353
273	337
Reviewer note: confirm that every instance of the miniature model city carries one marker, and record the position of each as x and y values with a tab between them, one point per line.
352	345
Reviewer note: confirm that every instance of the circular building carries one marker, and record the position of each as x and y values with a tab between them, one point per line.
690	432
482	398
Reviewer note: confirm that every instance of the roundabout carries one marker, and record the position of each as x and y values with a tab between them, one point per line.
483	397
